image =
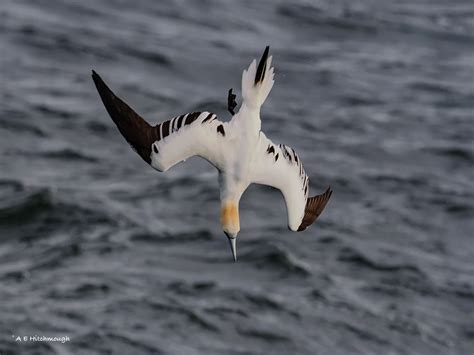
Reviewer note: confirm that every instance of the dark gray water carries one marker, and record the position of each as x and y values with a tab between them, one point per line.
377	97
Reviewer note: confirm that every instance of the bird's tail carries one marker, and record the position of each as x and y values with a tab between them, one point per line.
257	81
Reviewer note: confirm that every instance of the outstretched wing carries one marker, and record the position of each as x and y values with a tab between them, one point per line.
279	166
172	141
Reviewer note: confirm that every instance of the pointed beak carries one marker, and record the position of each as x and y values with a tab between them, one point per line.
233	247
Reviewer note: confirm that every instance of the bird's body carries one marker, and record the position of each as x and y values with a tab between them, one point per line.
238	149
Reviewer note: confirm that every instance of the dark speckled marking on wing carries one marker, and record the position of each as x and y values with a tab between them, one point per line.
166	129
180	121
191	118
209	116
220	129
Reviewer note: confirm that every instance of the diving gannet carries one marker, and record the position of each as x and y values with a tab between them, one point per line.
238	149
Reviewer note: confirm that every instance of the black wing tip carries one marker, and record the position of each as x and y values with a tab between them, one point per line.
105	93
262	65
95	76
328	191
99	83
97	79
315	206
138	133
326	195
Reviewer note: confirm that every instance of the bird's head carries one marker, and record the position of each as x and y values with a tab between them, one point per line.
230	223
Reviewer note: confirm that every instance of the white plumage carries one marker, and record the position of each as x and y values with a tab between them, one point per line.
238	149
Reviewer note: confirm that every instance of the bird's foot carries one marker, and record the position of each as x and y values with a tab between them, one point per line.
231	102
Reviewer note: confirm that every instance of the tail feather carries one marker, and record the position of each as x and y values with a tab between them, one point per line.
262	65
258	81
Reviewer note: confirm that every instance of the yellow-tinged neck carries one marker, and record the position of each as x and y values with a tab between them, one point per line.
230	217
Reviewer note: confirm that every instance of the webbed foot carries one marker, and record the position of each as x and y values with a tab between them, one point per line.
231	102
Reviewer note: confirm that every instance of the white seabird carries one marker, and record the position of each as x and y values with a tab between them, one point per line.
238	149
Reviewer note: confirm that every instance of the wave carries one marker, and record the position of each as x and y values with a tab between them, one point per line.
68	154
463	154
263	334
17	126
24	206
352	255
147	54
343	19
31	213
272	257
369	20
170	237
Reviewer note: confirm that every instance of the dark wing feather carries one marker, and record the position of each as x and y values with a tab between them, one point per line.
138	132
314	206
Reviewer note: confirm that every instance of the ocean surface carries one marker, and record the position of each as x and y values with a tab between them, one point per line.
377	98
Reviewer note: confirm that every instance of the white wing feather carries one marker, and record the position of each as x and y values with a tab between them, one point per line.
169	142
279	166
204	137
